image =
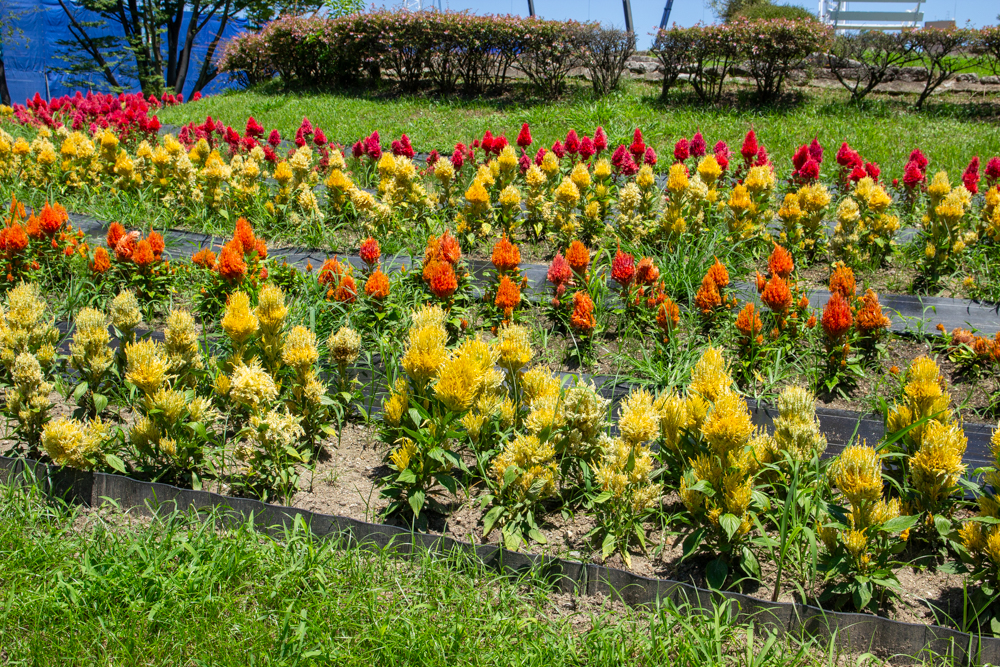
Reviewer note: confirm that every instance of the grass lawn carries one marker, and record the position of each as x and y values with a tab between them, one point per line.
94	588
950	130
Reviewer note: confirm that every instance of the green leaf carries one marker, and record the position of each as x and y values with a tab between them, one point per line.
509	475
862	595
899	524
608	545
491	518
448	482
416	501
80	390
942	524
730	524
703	486
537	536
115	463
750	563
716	573
511	538
603	498
407	476
692	542
100	402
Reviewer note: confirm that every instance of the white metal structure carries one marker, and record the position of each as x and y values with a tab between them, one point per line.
836	13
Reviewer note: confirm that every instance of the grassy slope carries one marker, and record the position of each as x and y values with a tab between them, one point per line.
84	590
885	132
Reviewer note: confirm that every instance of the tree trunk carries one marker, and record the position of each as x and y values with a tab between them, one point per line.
208	70
4	93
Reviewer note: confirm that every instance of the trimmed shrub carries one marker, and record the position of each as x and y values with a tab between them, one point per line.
762	11
942	53
773	48
550	51
672	49
989	47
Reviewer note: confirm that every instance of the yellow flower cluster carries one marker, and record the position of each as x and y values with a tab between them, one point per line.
801	216
865	227
948	228
24	327
69	442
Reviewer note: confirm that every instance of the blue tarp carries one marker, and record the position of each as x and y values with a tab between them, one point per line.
28	57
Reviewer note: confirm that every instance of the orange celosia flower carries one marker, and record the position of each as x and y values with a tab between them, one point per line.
623	268
369	251
748	322
50	220
115	234
143	254
13	239
776	295
126	246
842	280
244	234
646	273
870	316
261	249
717	272
578	257
506	256
204	258
377	286
443	281
232	266
33	228
780	262
450	250
708	297
331	272
157	244
346	291
761	282
668	316
508	296
583	319
837	317
102	261
811	322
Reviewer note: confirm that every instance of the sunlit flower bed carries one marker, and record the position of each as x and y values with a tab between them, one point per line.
234	368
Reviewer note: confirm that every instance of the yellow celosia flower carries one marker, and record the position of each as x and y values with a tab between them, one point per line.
677	180
239	323
477	194
125	312
538	382
252	386
710	377
404	454
639	420
425	353
535	461
672	410
580	176
299	349
271	310
514	347
567	194
345	346
147	365
857	472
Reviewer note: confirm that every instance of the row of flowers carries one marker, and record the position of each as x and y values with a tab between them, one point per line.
580	188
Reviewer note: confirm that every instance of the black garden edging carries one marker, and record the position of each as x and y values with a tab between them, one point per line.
854	632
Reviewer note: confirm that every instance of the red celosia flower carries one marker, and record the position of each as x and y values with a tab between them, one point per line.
559	149
587	148
698	147
559	271
837	317
816	151
780	262
842	281
524	136
682	150
578	257
331	272
917	156
776	295
638	147
913	175
157	244
749	148
204	258
506	256
370	251
102	261
800	157
649	157
126	246
623	268
846	156
646	272
442	281
583	319
721	153
115	234
232	266
600	139
993	169
717	272
668	316
870	317
970	177
572	142
708	297
377	285
873	171
244	233
143	254
508	296
748	322
346	291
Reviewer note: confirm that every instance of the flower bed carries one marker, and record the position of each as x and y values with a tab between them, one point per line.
236	370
